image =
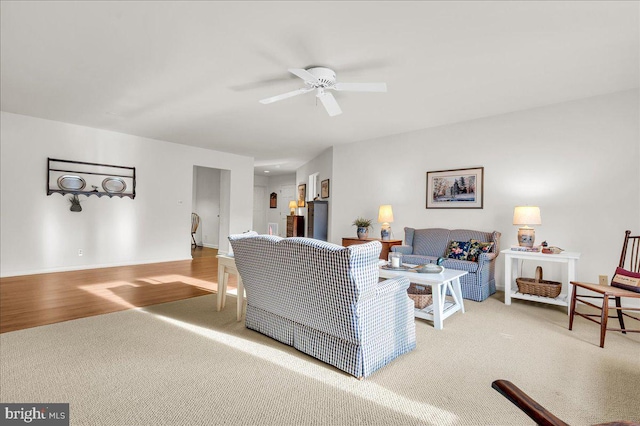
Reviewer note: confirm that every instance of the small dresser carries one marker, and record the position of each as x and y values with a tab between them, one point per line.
295	226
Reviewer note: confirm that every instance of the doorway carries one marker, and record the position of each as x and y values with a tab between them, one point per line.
206	203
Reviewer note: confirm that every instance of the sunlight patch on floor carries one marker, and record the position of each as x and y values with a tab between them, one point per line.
360	388
172	278
103	290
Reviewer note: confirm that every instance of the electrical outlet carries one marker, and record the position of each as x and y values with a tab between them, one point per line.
206	238
80	252
603	280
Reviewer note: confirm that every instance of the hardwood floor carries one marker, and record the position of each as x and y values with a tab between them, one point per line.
33	300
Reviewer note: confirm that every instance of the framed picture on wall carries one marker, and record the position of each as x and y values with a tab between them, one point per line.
273	200
302	195
324	188
455	189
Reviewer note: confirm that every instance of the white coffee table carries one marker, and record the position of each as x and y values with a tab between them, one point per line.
439	283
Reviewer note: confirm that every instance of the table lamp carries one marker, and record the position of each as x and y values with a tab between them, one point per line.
293	206
525	216
385	215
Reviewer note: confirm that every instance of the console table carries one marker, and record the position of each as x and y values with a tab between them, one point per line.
568	258
386	244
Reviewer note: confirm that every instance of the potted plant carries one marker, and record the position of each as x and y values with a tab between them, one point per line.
75	203
363	226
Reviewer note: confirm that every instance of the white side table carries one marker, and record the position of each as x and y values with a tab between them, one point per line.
439	283
226	266
568	258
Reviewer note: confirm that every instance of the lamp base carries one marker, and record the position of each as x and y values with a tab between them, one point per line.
385	232
526	236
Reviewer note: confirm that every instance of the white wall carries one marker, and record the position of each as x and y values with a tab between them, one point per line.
323	165
579	161
40	234
206	204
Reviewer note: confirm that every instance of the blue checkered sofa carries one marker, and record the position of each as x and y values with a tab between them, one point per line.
325	300
427	245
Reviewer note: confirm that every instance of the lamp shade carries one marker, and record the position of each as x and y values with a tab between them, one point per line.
526	215
293	205
385	214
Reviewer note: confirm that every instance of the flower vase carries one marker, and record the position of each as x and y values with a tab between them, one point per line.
363	233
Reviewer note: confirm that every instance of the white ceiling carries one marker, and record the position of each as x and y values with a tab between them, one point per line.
193	72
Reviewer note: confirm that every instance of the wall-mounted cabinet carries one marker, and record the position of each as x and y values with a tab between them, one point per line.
82	178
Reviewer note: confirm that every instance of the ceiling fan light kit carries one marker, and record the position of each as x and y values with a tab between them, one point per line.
322	79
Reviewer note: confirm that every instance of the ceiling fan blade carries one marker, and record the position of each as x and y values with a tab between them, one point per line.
303	74
285	96
361	87
330	104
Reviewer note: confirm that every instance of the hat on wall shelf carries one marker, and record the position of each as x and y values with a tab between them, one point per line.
525	216
385	215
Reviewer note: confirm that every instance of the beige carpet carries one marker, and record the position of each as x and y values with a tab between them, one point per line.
183	363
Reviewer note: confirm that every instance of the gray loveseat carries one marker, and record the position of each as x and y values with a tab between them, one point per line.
427	245
325	300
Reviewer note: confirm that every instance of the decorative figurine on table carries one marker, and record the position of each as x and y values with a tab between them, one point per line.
550	250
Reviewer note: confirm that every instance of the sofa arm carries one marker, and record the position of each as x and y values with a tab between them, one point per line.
402	249
392	285
487	257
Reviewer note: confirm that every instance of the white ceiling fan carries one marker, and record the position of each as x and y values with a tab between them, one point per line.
322	79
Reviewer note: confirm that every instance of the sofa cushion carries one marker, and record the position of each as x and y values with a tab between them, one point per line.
430	242
458	250
469	234
478	247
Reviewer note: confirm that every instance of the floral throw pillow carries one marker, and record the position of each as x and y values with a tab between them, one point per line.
627	280
476	247
458	250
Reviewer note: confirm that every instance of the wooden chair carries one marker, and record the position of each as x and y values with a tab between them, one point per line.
630	261
537	412
195	222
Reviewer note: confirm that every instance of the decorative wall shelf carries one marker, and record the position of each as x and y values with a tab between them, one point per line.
81	178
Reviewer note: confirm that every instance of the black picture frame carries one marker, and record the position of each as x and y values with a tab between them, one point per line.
324	189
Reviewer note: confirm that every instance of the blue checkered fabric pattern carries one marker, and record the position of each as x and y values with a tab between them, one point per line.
325	300
427	245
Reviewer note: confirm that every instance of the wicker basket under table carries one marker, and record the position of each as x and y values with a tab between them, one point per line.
539	287
421	295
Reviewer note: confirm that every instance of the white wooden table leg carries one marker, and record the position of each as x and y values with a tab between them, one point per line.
438	306
456	291
240	297
225	286
222	288
507	280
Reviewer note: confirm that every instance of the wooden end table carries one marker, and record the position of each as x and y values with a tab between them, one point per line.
386	244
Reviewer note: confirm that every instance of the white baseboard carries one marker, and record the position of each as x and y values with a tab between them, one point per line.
213	246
